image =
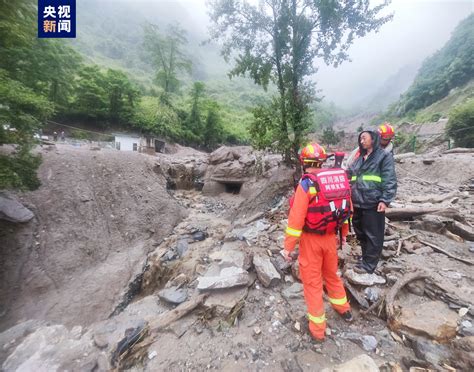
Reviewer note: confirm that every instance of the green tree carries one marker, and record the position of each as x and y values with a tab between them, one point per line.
21	114
91	95
123	96
213	132
461	124
165	52
194	122
330	137
277	42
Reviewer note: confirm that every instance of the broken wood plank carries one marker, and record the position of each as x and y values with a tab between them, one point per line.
169	317
440	250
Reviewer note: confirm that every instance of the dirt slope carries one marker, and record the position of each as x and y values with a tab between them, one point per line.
97	215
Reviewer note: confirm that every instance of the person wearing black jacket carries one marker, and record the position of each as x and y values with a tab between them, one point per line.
373	185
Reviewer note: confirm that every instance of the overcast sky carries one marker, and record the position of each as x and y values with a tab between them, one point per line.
419	28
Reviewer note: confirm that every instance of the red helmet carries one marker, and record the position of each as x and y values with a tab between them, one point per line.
386	131
313	153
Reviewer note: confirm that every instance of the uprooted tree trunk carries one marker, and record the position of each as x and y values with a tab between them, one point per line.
401	214
434	290
386	301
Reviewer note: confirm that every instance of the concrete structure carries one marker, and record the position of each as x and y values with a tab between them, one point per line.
132	142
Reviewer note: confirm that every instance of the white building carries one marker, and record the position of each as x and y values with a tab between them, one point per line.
131	142
127	142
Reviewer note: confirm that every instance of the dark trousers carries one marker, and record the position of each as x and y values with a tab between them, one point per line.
369	226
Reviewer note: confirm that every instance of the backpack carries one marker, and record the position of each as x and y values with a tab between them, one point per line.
330	206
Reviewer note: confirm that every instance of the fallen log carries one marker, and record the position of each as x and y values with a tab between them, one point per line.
459	150
440	250
463	231
165	319
434	199
408	213
137	349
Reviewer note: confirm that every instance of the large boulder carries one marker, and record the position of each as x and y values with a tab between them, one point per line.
12	210
266	272
433	319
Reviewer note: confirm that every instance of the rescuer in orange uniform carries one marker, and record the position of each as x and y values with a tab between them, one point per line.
320	206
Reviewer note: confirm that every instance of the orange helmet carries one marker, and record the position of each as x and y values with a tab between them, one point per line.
386	131
313	153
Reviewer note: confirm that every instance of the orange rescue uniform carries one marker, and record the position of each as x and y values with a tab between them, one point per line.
318	263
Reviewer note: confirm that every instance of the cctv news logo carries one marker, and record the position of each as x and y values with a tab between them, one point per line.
56	18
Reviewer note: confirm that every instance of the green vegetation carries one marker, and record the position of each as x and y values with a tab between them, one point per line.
276	43
461	124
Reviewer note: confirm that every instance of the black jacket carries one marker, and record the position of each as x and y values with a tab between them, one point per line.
373	180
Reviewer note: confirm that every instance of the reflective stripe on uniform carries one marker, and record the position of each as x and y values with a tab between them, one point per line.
368	177
293	232
317	319
338	301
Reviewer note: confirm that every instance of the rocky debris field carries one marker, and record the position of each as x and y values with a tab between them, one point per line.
214	293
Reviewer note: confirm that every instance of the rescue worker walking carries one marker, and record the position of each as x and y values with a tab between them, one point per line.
387	133
373	185
320	205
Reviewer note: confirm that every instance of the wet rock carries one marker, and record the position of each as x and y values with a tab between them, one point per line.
295	270
361	363
12	210
249	233
424	250
224	300
266	272
100	341
294	291
249	220
230	258
51	348
467	328
372	294
228	277
199	236
173	295
367	342
431	319
182	247
433	353
13	336
417	287
221	155
170	255
281	264
463	353
363	279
